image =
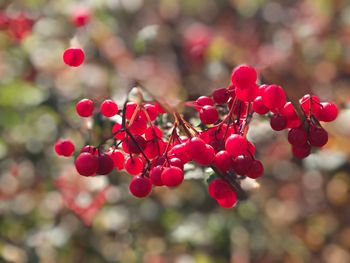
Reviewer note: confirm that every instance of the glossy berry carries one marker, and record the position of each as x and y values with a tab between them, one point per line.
204	101
140	187
221	96
108	108
172	176
86	164
138	127
229	201
64	148
256	170
85	108
134	165
218	188
274	97
206	157
176	162
195	146
155	175
118	159
73	57
259	107
248	94
242	164
310	104
105	164
116	130
328	112
180	151
236	145
208	114
318	137
289	112
301	152
243	76
297	136
278	122
223	161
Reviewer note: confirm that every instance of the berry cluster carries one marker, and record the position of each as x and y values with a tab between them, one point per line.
155	155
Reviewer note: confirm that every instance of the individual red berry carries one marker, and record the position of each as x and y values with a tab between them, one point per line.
236	145
221	95
243	76
172	176
116	130
195	146
229	201
256	170
180	151
105	164
134	165
176	162
318	137
118	159
204	101
86	164
242	164
140	186
155	175
278	122
73	57
223	161
297	136
85	108
259	107
64	147
153	133
138	127
206	157
328	112
274	97
108	108
219	189
208	114
301	152
310	104
248	94
81	17
289	112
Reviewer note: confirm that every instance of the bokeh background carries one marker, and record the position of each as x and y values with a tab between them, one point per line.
299	211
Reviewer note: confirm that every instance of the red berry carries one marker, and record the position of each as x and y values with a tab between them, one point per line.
138	127
221	96
243	76
155	175
223	161
108	108
274	97
206	157
242	164
64	147
297	136
73	57
204	101
135	144
140	186
195	146
105	164
229	201
86	164
318	137
80	17
259	107
310	104
151	111
84	108
301	152
236	145
172	176
119	135
256	170
328	112
219	189
89	149
134	165
248	94
180	151
208	114
118	159
153	133
130	109
278	122
176	162
289	112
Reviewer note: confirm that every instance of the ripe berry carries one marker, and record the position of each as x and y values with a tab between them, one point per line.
84	108
130	109
274	97
229	201
153	133
138	127
204	101
206	157
208	114
64	147
301	152
310	104
155	175
117	133
256	170
297	136
73	57
278	122
151	111
223	161
176	162
318	137
236	145
243	76
242	164
259	107
86	164
219	189
195	146
108	108
289	112
140	186
89	149
105	164
180	151
328	112
134	146
172	176
134	165
221	96
118	159
248	94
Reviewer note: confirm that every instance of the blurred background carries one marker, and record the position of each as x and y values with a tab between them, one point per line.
299	211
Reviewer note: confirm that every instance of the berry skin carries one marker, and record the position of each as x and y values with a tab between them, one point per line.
221	96
297	136
176	162
289	112
229	201
278	122
206	157
248	94
86	164
73	57
155	175
140	187
274	97
134	165
208	114
223	161
180	151
256	170
108	108
219	189
118	159
301	152
85	108
195	146
153	133
259	106
236	145
138	127
117	133
243	76
318	137
172	176
204	101
105	164
328	112
305	102
242	164
151	111
131	146
130	109
64	148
